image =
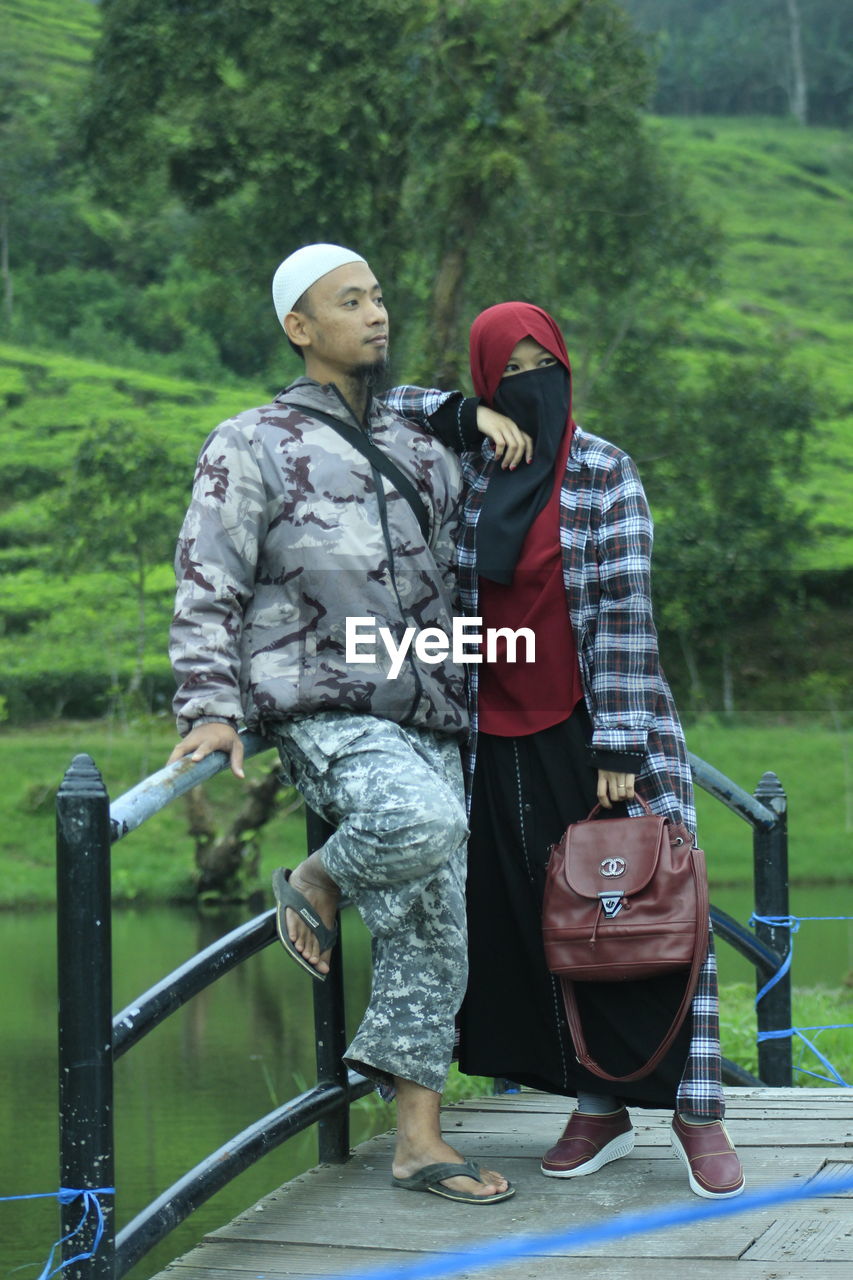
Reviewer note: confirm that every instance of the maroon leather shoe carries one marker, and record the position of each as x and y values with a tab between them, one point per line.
588	1142
713	1166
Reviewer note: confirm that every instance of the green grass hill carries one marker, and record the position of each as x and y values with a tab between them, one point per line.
47	43
782	196
75	629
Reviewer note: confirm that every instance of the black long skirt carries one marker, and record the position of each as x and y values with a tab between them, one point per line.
512	1023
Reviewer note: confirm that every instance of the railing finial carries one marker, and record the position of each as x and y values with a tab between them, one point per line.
771	792
82	777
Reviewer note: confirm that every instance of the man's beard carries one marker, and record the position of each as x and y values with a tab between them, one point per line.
370	375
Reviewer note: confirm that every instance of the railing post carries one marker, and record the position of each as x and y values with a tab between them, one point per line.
84	979
770	858
330	1028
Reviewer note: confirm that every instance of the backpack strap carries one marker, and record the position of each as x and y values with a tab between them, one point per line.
379	461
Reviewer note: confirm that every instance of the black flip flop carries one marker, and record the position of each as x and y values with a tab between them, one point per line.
288	897
431	1177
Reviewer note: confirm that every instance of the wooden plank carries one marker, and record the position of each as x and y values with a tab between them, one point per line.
304	1262
331	1220
654	1173
832	1170
800	1236
428	1224
771	1099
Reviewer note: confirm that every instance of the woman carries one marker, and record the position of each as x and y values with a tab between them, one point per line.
562	545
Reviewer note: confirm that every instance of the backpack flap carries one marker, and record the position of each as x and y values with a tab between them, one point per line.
610	861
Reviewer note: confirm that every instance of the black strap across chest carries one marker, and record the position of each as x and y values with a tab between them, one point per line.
378	460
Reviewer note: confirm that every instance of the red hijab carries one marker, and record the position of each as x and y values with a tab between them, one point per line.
540	402
498	330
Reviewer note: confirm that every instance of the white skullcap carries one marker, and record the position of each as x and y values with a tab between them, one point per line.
304	268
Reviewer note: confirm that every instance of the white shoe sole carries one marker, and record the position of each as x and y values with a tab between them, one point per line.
695	1186
614	1150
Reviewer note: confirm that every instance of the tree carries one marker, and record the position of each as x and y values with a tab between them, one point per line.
227	861
27	154
799	89
731	532
121	510
494	148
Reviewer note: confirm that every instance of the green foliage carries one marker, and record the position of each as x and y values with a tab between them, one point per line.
499	111
736	558
551	189
123	502
47	43
494	150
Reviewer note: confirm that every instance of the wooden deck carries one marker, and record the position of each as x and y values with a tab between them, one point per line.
347	1218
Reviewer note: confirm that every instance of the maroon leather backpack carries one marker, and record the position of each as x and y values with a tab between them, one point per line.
625	898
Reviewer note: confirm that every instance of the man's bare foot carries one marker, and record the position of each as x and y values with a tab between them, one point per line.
409	1159
311	880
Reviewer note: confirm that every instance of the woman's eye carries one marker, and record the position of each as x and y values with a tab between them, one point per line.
546	361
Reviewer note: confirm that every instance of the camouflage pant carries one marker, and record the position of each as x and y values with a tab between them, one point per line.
395	796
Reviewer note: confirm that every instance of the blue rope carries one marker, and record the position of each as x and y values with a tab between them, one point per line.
492	1252
777	922
792	923
67	1195
834	1077
815	1075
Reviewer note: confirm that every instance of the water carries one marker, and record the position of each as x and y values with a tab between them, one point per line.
232	1055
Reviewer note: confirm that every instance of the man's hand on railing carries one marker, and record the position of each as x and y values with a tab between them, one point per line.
213	736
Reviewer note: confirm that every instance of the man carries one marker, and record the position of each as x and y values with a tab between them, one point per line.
291	531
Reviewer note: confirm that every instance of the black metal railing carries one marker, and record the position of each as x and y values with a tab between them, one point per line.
766	812
90	1039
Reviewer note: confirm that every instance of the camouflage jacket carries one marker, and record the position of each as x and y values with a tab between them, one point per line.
285	538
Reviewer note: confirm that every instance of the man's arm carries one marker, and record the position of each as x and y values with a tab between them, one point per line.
215	567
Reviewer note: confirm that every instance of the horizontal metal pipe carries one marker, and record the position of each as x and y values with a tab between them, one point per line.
153	794
199	972
764	958
730	794
148	797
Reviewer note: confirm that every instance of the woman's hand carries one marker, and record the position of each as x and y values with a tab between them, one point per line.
613	787
512	445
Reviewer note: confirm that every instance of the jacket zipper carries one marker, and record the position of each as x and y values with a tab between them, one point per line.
386	534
